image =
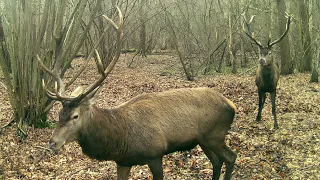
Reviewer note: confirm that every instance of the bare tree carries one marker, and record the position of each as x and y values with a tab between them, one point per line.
315	32
177	47
306	59
142	34
232	52
285	56
51	29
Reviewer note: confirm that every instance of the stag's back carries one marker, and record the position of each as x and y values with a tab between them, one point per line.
176	119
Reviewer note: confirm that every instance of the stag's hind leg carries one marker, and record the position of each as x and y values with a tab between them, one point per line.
229	158
218	152
273	100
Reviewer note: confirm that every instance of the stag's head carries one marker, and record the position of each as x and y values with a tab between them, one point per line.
265	55
76	108
72	117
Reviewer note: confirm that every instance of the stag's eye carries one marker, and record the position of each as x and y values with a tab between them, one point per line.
75	117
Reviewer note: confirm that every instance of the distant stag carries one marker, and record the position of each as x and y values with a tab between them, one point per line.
144	129
267	74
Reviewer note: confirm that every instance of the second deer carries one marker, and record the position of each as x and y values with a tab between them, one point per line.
267	74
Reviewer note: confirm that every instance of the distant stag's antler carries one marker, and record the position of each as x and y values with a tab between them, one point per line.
249	35
285	32
59	85
269	44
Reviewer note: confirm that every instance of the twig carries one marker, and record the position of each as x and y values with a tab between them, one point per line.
9	123
5	87
132	59
22	131
7	156
44	148
43	153
71	174
306	167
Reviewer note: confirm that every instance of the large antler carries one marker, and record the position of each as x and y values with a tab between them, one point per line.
59	86
269	44
282	36
247	25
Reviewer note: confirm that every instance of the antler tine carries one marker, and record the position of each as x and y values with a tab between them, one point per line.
113	23
244	30
119	41
58	84
252	38
61	97
282	36
105	73
99	63
50	94
44	67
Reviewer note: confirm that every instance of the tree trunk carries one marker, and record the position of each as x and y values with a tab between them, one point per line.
285	56
231	38
142	19
306	60
175	42
316	35
4	47
38	31
314	73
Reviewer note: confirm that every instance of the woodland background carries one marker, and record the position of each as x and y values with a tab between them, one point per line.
167	44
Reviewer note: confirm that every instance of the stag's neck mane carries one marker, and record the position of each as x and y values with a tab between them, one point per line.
103	136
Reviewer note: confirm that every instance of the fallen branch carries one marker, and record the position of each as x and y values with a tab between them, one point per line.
5	87
22	131
8	124
132	60
44	148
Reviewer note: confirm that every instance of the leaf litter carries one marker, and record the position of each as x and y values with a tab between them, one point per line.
292	152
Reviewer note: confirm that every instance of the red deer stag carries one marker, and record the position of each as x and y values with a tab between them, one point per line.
144	129
267	74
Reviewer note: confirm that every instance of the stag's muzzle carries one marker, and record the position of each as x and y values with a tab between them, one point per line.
52	144
262	61
55	145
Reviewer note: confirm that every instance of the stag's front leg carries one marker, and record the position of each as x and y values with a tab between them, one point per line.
156	168
215	160
262	99
273	100
123	172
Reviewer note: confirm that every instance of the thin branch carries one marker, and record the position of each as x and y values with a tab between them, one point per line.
44	148
5	87
9	123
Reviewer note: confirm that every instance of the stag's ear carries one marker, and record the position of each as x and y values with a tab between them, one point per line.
93	96
79	90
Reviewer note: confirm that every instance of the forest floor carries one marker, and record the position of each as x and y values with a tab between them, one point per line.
292	152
